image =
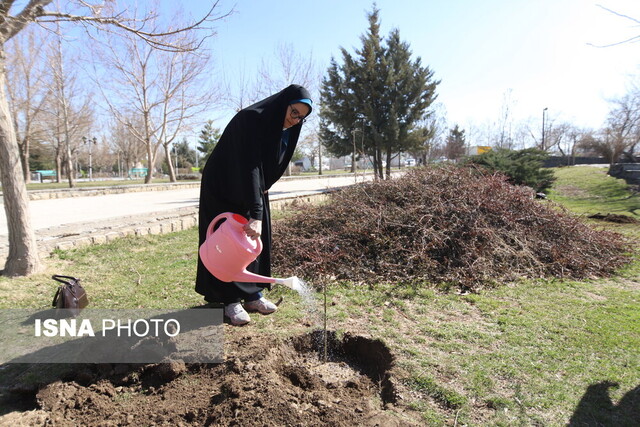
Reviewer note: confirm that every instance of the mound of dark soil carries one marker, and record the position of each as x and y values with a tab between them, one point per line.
617	218
445	224
260	383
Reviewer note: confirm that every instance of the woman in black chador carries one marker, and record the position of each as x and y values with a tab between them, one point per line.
252	154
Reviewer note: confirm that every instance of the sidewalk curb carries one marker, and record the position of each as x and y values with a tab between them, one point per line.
101	191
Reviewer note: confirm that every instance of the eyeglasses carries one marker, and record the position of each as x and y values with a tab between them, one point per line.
295	115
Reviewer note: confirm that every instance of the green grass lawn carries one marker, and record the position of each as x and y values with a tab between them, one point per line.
589	190
528	353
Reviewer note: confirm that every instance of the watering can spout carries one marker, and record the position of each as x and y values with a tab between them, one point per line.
290	282
245	276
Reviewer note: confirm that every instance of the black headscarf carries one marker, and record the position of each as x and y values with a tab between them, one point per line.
246	161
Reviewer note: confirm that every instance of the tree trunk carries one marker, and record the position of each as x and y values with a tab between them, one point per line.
388	168
377	164
353	162
172	172
150	163
69	164
23	253
61	89
58	167
24	158
151	149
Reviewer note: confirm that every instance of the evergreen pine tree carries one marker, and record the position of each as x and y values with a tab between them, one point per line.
523	167
186	155
380	92
207	140
455	144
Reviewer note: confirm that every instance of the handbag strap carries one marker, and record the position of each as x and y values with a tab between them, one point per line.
55	297
71	280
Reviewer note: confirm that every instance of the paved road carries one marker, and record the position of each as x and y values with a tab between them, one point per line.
57	212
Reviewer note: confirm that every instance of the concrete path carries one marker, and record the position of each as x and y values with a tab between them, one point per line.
77	221
56	212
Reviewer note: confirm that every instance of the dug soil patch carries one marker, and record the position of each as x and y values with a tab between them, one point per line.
617	218
262	382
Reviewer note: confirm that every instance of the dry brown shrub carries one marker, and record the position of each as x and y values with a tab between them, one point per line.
441	225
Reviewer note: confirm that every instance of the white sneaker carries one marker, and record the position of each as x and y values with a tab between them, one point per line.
236	314
262	305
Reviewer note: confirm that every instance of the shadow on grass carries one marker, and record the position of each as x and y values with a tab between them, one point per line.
596	408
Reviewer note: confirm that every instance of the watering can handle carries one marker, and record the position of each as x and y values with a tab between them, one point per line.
229	216
216	220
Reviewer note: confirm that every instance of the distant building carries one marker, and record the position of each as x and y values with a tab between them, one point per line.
304	164
477	149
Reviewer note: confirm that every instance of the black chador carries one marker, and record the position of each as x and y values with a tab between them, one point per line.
252	154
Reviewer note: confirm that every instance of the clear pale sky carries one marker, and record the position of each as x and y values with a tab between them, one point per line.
539	50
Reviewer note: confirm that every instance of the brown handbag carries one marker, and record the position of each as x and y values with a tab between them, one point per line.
70	295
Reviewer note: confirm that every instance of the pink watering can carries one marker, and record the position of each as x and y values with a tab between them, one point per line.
227	251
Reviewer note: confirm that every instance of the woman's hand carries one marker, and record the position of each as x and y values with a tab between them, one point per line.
253	228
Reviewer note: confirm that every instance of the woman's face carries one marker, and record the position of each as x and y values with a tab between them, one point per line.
295	114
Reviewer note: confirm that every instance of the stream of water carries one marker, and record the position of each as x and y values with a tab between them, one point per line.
311	307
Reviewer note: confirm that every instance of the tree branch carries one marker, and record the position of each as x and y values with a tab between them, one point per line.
34	12
4	8
618	14
12	25
631	39
616	43
152	38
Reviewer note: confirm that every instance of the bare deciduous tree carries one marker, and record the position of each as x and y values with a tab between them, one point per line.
241	92
504	136
282	68
70	108
289	67
624	124
27	89
128	149
165	89
602	143
564	137
65	129
431	134
15	17
621	135
184	97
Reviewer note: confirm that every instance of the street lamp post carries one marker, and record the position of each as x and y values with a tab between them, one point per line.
90	141
196	152
544	113
353	159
